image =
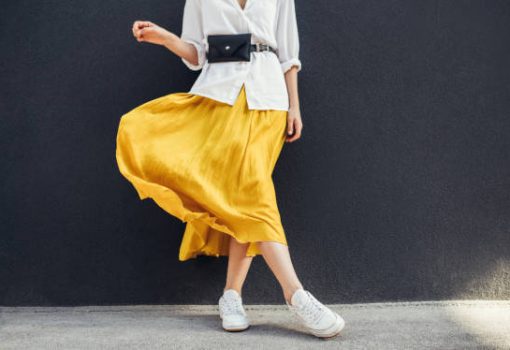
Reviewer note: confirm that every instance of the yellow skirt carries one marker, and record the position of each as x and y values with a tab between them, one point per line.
210	165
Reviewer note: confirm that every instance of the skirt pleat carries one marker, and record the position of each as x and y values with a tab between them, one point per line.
209	164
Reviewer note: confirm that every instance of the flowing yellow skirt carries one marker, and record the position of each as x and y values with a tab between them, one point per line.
209	164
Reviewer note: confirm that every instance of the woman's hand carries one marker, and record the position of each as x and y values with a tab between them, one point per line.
294	124
150	32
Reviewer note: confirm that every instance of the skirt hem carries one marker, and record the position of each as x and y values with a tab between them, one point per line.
169	201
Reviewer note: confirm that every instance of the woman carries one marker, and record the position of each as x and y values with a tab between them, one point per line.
207	155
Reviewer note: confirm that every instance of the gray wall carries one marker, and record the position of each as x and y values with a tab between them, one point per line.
398	190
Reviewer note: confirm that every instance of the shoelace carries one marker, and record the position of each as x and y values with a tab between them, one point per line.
311	312
233	306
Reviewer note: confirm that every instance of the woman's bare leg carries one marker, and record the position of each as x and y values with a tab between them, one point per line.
278	259
238	265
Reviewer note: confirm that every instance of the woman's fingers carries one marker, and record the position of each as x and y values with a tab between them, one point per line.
138	28
143	24
290	126
296	127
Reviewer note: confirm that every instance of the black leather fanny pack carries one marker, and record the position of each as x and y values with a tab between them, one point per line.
232	47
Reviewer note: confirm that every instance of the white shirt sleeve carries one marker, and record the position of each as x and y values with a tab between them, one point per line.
287	36
192	32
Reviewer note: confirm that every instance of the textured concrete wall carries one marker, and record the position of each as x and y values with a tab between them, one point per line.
398	190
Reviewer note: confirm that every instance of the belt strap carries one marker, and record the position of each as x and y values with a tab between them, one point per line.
261	47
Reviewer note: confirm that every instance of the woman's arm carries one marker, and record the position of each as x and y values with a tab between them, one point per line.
146	31
183	49
287	38
294	122
189	46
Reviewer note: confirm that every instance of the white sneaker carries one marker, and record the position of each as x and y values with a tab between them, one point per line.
232	312
317	318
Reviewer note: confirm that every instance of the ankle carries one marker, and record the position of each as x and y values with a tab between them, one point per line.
237	289
289	292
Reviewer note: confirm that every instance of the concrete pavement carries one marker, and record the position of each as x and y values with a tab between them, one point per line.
414	325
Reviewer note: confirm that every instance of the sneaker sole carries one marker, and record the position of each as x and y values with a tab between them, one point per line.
236	329
337	328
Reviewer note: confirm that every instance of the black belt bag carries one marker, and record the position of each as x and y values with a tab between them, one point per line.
232	47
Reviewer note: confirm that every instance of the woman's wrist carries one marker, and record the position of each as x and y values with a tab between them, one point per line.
294	105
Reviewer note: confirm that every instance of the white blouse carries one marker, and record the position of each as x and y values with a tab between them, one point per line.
270	21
